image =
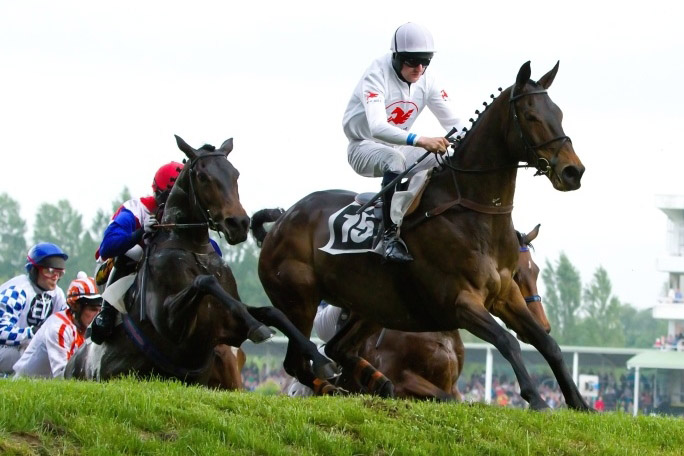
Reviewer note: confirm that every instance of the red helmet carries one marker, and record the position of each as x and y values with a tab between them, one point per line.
166	176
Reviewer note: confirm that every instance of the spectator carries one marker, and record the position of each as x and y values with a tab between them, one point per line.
599	405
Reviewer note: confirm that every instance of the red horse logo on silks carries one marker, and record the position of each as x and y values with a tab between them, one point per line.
445	97
371	95
398	116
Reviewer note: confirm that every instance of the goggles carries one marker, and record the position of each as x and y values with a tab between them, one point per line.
413	62
52	272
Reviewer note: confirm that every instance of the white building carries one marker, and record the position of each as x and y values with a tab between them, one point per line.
669	360
671	306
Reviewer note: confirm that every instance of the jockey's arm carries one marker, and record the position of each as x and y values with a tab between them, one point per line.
10	333
121	234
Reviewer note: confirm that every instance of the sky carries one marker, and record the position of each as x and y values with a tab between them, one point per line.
91	94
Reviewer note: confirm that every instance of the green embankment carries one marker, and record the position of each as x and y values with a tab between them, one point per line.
127	416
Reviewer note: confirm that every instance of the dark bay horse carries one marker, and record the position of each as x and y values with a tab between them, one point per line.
461	237
427	365
184	301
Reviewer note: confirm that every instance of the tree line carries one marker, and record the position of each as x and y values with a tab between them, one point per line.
580	314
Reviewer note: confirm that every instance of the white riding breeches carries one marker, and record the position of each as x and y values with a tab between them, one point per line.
373	159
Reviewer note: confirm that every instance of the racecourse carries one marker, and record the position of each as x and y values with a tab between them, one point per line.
127	416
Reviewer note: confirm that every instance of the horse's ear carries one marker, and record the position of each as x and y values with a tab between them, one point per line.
532	235
546	80
523	77
185	147
227	146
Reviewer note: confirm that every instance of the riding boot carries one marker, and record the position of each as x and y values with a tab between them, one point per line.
394	247
103	325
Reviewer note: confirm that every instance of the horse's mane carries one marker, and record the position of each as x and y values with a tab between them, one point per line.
207	147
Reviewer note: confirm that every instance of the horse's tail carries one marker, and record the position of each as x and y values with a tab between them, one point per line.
261	221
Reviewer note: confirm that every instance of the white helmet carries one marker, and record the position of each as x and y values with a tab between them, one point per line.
412	37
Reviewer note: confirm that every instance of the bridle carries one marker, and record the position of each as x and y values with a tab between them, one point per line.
534	297
209	222
542	165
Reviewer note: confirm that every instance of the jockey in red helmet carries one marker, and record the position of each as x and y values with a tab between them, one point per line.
123	240
122	243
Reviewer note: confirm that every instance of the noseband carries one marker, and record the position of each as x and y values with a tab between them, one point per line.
543	166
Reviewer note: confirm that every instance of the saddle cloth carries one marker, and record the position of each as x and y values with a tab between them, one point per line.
115	292
360	233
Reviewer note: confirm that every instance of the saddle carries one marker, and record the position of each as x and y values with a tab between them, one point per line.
359	233
405	200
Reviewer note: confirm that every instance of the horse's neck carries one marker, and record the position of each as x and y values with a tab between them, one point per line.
179	211
485	148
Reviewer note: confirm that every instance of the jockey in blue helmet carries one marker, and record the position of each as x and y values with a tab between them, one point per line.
27	300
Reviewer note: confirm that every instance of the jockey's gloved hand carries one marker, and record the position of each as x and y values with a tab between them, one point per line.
151	225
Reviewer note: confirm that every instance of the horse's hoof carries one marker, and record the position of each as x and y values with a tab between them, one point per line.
326	370
386	389
260	334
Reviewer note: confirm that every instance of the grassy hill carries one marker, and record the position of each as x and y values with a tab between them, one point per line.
55	417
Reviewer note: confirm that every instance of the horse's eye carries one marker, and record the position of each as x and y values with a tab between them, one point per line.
202	177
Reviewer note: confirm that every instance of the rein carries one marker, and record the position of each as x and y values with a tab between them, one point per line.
542	165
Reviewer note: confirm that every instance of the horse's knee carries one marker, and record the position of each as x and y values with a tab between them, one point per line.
204	282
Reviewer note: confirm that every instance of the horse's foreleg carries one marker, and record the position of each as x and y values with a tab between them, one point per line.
343	348
322	367
183	306
473	317
516	315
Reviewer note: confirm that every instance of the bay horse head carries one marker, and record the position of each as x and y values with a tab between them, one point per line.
537	124
526	276
209	183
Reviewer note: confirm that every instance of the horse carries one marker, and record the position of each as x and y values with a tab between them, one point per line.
184	300
427	365
461	237
227	367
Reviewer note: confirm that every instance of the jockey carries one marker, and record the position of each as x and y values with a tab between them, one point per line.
63	333
122	243
384	106
26	301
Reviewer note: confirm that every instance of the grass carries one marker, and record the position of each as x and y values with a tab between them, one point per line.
127	416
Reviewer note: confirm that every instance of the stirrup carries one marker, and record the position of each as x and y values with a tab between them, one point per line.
394	248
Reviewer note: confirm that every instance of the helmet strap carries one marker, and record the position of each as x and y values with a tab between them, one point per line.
397	64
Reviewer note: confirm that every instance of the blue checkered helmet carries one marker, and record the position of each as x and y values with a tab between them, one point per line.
43	250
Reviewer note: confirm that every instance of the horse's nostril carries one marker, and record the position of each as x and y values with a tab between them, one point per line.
573	174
